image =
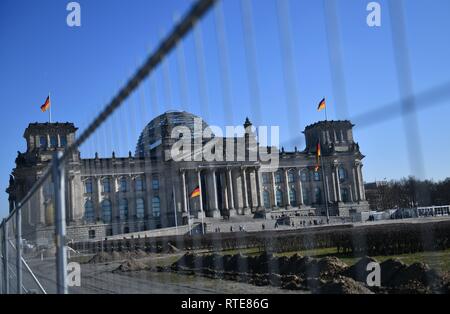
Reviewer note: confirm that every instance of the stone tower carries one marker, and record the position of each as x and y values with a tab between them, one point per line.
43	140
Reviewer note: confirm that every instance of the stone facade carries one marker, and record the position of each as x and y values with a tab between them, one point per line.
151	190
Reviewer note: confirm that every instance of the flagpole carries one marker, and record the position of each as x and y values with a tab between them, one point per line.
50	109
326	115
189	215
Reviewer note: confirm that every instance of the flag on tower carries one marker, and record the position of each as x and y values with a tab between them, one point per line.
322	105
46	105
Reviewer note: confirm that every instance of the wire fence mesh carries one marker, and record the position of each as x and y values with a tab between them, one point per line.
134	208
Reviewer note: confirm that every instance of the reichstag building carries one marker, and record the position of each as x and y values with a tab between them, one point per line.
150	189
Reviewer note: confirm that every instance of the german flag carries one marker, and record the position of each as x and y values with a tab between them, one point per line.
46	105
318	154
196	192
322	105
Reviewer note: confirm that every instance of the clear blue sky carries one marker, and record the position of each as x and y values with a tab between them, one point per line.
82	68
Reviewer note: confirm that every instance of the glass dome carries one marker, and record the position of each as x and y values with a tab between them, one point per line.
162	126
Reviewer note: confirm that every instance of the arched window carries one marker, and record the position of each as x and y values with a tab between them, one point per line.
123	209
278	177
140	208
279	197
139	184
293	197
43	142
345	195
266	196
265	177
53	141
156	206
155	183
318	195
304	175
89	213
106	184
342	174
106	211
317	176
123	185
291	176
63	140
88	186
306	199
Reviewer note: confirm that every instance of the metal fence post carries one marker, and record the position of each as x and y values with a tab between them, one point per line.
19	248
58	173
5	258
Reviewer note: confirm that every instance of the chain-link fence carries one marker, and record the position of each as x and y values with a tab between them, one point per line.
134	219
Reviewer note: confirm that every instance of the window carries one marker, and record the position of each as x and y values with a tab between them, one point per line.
123	209
306	199
43	142
293	197
304	175
91	234
345	195
106	211
89	213
266	196
106	183
278	177
140	208
53	141
123	185
109	232
291	177
155	183
265	178
88	186
342	174
156	207
279	197
126	230
139	184
63	140
318	196
317	176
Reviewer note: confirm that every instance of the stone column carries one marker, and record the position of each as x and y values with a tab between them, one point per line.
360	182
338	184
300	190
231	208
356	184
200	213
274	192
287	200
258	189
214	210
246	209
224	192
